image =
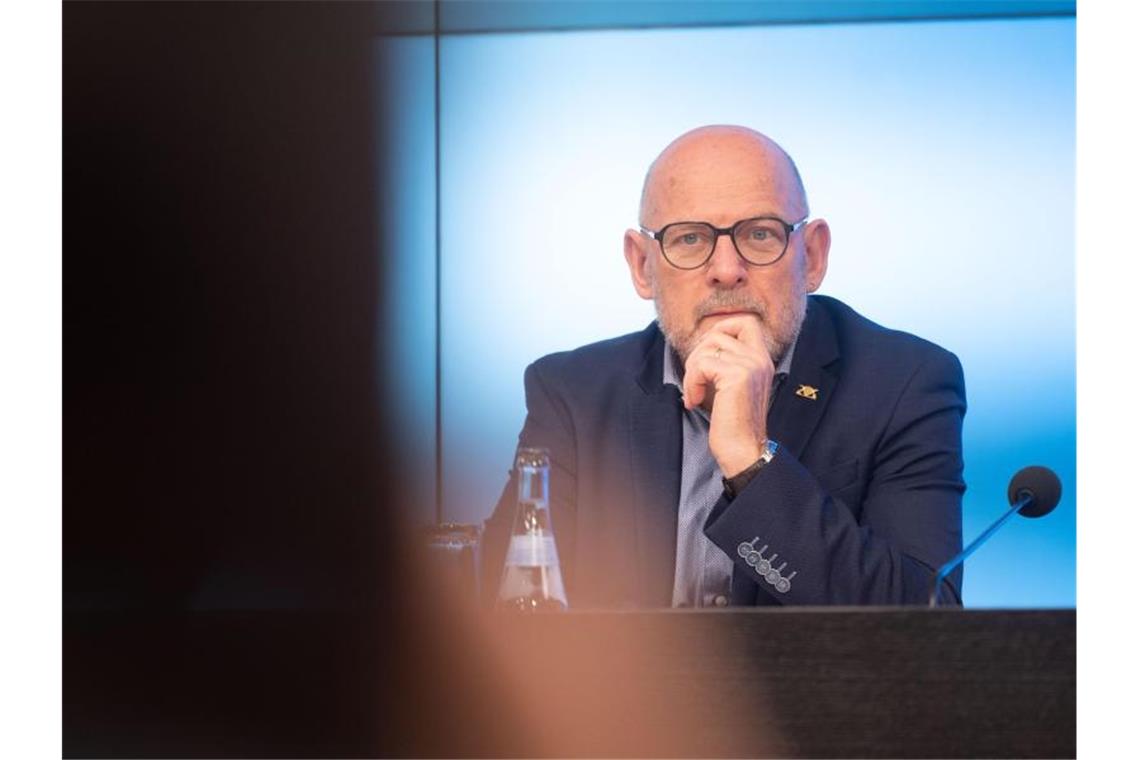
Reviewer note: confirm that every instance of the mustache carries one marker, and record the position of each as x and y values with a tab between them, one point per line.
735	301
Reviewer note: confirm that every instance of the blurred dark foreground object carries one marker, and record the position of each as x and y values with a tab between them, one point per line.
225	436
759	683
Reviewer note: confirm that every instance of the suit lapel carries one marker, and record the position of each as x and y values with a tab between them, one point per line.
655	427
801	400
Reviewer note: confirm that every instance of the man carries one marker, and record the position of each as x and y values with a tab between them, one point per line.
754	445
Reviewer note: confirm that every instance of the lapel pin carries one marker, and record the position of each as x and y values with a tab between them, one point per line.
808	392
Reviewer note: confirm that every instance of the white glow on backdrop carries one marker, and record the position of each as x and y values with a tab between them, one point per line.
942	154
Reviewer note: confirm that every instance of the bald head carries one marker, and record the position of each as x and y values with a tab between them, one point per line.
712	168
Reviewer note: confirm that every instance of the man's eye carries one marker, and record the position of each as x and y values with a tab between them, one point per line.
691	239
759	234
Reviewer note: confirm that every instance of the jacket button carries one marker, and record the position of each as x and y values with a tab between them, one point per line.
721	600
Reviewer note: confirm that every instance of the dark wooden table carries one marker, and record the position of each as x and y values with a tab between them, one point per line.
899	682
827	682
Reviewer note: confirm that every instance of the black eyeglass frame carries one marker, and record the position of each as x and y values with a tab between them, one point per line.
789	229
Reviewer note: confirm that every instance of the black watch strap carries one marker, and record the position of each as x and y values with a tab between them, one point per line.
736	484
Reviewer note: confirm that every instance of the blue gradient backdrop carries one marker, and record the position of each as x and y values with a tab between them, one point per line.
942	153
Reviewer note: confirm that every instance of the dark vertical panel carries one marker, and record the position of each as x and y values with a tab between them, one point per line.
223	444
223	440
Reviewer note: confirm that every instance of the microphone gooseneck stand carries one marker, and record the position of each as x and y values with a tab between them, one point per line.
1024	499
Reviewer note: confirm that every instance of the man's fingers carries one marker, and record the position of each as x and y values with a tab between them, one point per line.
746	328
694	384
699	376
721	345
709	361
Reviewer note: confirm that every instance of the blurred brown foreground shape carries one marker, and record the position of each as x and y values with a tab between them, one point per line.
234	575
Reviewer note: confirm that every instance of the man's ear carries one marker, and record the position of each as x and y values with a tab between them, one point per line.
817	246
637	255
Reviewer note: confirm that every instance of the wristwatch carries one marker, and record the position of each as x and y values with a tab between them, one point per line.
736	483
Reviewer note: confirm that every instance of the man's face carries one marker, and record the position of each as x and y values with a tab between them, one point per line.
690	302
721	182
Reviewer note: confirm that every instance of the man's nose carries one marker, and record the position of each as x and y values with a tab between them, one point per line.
726	268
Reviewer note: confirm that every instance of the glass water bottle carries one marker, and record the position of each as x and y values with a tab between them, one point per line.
532	578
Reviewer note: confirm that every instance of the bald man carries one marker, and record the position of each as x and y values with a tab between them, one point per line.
755	445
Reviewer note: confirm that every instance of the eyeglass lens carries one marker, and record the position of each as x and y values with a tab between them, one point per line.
760	241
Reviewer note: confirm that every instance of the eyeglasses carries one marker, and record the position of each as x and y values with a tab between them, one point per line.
760	241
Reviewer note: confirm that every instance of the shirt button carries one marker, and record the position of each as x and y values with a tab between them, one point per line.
721	600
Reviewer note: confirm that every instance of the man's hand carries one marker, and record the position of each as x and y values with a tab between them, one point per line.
729	373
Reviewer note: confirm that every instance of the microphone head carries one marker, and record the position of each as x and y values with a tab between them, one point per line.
1042	484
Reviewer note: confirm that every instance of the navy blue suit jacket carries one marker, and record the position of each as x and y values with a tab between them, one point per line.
861	502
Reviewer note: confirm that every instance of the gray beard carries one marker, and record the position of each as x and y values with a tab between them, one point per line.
682	342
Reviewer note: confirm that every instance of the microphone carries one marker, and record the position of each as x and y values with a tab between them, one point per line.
1033	492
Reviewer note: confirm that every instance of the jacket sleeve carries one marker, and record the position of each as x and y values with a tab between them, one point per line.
803	546
548	425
